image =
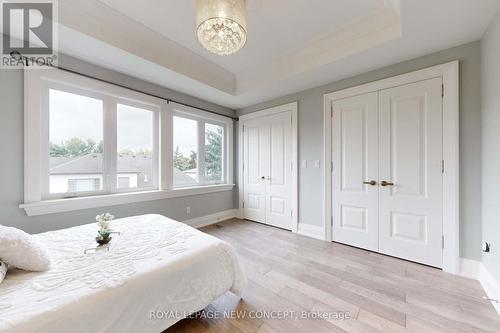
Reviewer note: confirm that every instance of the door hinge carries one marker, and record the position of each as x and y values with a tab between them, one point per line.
243	204
291	119
331	111
442	90
331	220
442	241
291	213
331	166
442	166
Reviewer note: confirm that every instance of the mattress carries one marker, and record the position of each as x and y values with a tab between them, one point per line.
156	272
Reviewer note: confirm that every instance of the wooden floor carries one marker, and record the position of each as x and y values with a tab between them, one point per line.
299	275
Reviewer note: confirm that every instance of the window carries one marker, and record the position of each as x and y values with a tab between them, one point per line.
199	145
185	152
99	140
98	143
75	141
136	132
214	153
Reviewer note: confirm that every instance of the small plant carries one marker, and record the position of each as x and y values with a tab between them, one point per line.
103	222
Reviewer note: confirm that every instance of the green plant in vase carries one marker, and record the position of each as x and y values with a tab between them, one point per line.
103	233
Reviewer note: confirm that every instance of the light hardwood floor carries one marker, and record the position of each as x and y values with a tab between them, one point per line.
288	272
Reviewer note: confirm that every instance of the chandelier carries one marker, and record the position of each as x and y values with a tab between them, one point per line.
221	25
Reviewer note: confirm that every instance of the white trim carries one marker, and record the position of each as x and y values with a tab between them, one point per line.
293	107
490	286
203	221
451	205
313	231
469	268
70	204
476	270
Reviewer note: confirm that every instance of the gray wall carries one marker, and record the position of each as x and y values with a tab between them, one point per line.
11	160
491	146
311	137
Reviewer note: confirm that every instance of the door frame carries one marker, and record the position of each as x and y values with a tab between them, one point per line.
449	72
290	107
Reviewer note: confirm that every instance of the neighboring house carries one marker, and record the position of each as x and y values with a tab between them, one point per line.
81	174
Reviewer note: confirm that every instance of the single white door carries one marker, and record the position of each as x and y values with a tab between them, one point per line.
411	217
355	171
279	179
255	168
267	170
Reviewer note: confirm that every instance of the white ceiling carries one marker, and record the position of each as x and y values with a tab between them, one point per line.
292	44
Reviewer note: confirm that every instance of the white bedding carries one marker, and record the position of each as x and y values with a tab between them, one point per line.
156	264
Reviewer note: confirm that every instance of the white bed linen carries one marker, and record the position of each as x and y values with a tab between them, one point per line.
156	264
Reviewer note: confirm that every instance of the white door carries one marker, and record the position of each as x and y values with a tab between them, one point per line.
411	216
267	170
279	180
387	181
355	166
255	166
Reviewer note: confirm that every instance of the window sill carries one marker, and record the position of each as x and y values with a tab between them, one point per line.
66	205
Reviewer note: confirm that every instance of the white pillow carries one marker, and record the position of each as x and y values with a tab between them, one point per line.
21	250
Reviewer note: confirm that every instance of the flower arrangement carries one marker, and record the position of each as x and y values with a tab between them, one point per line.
103	222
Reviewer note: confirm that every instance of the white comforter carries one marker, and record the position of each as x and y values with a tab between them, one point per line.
156	266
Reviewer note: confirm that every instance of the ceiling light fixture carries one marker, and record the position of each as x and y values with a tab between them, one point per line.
221	25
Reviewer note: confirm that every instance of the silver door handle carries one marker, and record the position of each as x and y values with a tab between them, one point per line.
265	178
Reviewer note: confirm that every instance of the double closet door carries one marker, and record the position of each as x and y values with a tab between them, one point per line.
387	171
267	170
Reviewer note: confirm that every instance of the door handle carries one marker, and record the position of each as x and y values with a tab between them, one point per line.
384	183
265	178
372	183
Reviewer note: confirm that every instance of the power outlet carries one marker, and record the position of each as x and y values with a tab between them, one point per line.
486	247
188	210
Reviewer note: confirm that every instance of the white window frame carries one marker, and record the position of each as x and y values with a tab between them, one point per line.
38	201
203	118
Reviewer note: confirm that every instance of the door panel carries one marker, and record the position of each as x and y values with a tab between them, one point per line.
279	181
410	223
255	158
355	161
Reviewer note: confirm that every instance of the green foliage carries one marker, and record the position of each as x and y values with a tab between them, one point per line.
182	162
75	147
213	155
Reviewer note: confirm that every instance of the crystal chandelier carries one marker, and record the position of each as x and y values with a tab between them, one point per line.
221	25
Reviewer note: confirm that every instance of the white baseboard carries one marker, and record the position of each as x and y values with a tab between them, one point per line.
312	231
469	268
203	221
490	286
477	270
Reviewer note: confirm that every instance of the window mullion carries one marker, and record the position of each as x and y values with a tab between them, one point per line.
166	148
201	151
110	145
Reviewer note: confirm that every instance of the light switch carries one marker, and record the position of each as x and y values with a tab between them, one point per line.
303	164
317	164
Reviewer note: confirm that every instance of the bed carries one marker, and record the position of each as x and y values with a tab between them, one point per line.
156	272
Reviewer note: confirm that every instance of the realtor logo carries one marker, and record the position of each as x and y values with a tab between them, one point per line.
29	34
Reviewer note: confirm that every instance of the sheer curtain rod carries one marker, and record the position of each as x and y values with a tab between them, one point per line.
168	100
